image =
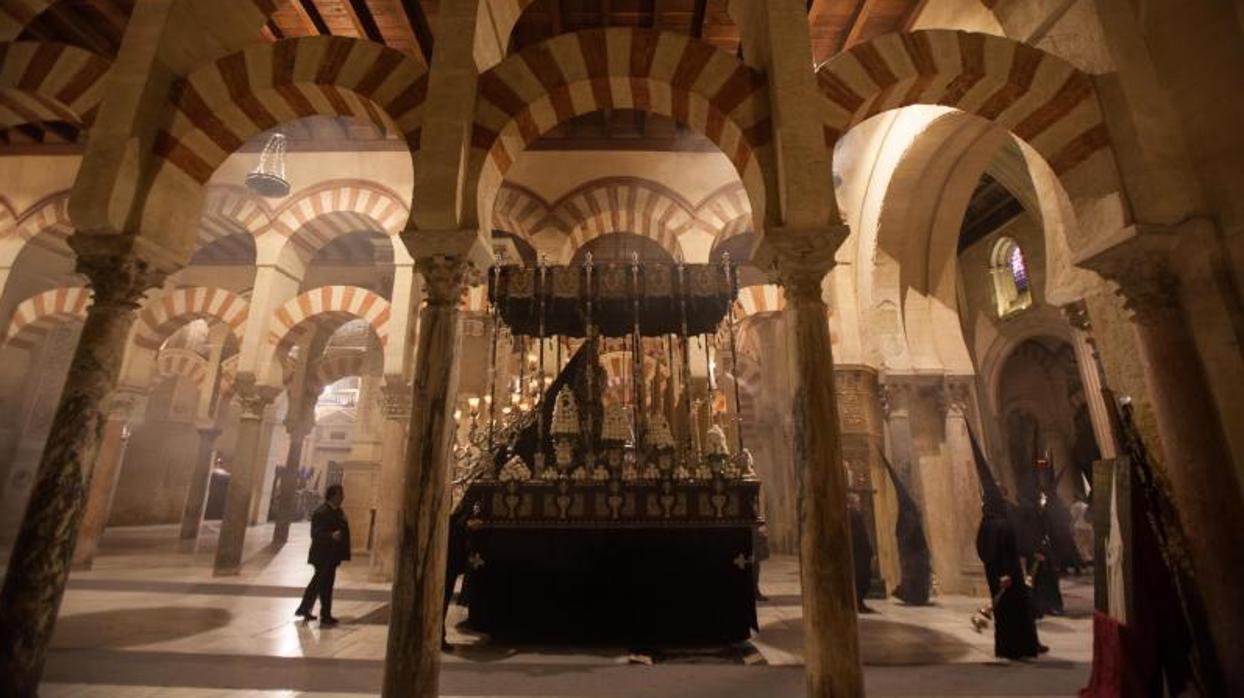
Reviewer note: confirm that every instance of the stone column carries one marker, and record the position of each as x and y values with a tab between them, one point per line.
1089	364
962	483
412	659
830	633
39	565
246	457
396	404
859	405
1190	450
298	424
196	497
104	475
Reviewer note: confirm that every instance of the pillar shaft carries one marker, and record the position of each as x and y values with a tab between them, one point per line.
39	566
389	502
200	480
246	456
412	660
104	475
299	425
1090	375
830	633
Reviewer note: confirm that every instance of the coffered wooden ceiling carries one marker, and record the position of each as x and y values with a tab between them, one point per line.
406	25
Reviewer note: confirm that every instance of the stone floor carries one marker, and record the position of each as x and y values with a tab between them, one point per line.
150	620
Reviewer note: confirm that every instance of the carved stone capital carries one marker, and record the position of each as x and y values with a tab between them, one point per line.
118	270
799	258
895	398
1141	261
445	278
253	399
125	402
1077	315
957	394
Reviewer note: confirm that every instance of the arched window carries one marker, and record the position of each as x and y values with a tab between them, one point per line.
1010	277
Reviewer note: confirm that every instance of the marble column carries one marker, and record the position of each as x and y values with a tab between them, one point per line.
1190	450
104	475
298	424
1089	364
247	459
412	658
200	480
39	565
830	631
396	404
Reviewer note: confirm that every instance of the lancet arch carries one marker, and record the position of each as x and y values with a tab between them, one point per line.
570	75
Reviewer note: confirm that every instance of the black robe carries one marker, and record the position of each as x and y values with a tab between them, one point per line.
915	568
1047	598
1015	631
861	555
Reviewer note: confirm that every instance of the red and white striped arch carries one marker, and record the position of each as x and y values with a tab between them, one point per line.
1039	97
625	206
231	215
544	85
725	209
49	82
165	314
46	224
228	375
324	213
337	301
753	300
34	316
222	105
523	212
182	363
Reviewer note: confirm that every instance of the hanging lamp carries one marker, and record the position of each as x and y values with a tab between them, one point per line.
268	179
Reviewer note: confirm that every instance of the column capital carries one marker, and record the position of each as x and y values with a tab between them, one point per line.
800	258
1141	259
253	399
120	269
895	397
957	395
446	278
1077	315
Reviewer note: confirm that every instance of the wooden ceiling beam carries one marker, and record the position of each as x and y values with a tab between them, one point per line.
862	12
555	11
360	16
310	16
697	18
418	19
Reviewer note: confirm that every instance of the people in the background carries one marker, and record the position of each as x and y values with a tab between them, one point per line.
1043	568
861	551
760	553
461	522
1015	630
330	546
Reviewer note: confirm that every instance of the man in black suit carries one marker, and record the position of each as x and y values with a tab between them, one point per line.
330	546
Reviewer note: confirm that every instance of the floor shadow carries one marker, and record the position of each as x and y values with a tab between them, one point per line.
882	642
135	626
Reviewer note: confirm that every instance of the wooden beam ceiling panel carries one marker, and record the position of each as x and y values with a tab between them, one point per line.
697	18
417	18
392	23
310	16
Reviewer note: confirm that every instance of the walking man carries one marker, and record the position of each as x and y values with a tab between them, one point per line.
330	546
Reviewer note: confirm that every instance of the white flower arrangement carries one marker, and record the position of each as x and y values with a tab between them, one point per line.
630	473
703	472
515	470
659	435
716	442
651	472
681	473
600	474
579	474
617	426
565	414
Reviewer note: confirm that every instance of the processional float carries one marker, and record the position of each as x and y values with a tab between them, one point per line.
594	517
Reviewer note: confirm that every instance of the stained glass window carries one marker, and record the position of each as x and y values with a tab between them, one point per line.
1019	272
